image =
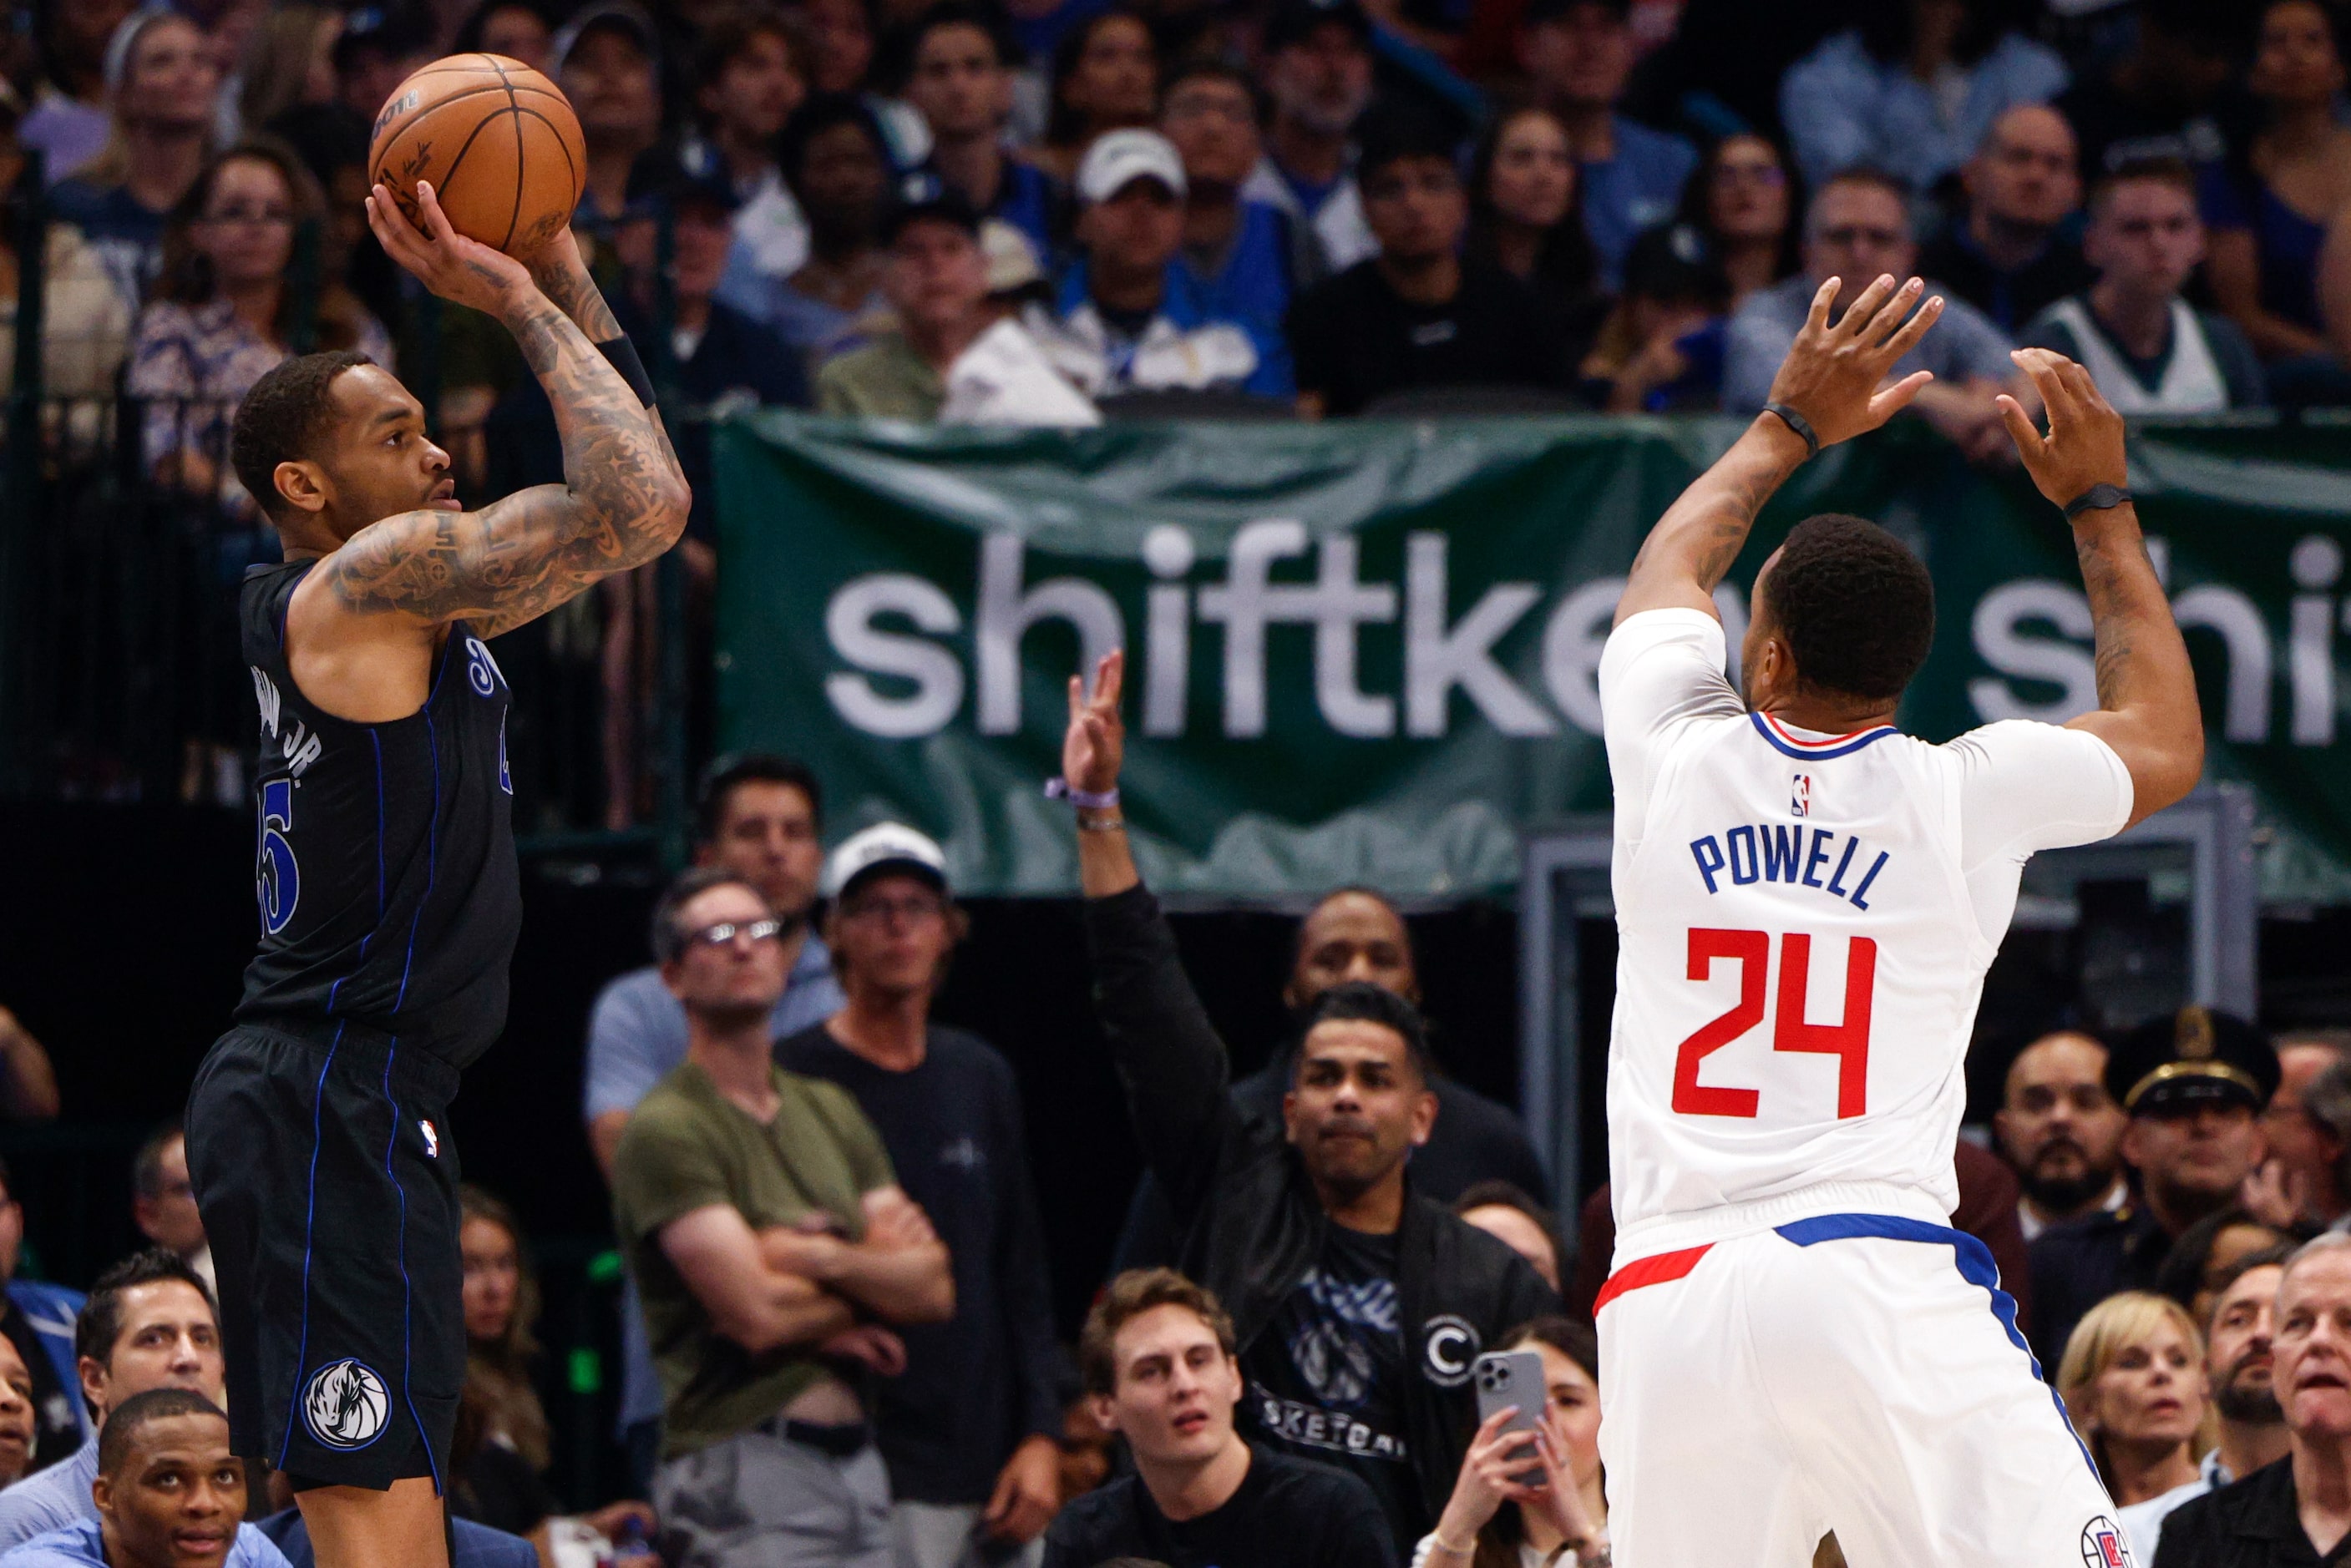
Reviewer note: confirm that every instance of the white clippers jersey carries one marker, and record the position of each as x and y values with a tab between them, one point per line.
1804	922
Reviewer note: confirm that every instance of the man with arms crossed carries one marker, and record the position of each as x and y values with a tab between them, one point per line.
1807	900
390	894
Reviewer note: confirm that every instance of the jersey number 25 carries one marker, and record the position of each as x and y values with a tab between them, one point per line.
1848	1041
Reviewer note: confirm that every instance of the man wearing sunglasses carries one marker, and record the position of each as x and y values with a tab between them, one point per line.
775	1253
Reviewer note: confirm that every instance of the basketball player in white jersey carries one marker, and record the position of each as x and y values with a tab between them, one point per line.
1794	1339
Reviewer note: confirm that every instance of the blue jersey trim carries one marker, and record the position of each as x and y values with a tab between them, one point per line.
309	1226
1868	738
1975	1265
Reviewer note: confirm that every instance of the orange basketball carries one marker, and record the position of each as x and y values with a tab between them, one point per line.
498	143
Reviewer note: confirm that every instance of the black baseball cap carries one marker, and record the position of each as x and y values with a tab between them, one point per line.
926	195
2171	1064
1538	12
1295	21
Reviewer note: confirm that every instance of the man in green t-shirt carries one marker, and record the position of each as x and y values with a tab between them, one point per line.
772	1246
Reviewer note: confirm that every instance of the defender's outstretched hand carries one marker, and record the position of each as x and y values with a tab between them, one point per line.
2084	443
1834	376
462	271
1095	743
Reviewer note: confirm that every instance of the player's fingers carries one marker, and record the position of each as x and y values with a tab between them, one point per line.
2083	387
2039	368
1855	323
1889	314
1885	405
1816	319
2019	426
436	222
1906	338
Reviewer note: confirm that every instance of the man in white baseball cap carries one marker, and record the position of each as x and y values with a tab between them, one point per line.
1129	318
968	1429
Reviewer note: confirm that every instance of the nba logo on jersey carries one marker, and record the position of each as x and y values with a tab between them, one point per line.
1800	795
2103	1545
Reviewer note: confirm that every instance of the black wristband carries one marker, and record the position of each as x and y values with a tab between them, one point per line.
623	353
1798	423
2097	498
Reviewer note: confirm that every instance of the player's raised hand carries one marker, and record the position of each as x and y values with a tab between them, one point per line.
1095	743
2084	443
462	271
1834	376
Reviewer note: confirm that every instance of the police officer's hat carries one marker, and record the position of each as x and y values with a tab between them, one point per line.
2172	1063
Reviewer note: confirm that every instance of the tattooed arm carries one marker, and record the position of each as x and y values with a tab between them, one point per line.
1834	377
623	502
2148	710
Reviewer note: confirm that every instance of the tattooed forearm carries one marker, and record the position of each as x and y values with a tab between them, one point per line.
1701	533
2117	575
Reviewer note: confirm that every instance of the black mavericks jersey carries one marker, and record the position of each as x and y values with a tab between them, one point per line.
385	869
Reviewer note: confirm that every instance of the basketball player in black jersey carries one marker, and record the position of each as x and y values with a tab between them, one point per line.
318	1132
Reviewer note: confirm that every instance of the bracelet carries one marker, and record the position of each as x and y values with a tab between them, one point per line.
622	356
2097	498
1798	423
1083	799
1105	824
1436	1538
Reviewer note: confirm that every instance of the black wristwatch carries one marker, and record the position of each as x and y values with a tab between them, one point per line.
2097	498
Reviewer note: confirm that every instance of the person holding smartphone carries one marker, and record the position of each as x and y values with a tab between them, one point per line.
1531	1504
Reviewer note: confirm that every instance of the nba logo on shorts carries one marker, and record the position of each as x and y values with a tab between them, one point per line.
345	1405
1800	795
2103	1545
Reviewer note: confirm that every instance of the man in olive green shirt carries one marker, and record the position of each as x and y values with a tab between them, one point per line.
773	1247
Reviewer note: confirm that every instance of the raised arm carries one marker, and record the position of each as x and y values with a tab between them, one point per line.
899	1273
1833	378
2146	708
623	502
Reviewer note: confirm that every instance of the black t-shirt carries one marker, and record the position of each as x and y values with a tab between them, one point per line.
1326	1375
56	1433
2010	299
1287	1514
1356	339
2114	129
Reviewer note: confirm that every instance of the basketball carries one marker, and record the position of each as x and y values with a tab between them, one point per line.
498	143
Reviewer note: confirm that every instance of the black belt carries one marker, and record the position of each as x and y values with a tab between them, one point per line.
843	1441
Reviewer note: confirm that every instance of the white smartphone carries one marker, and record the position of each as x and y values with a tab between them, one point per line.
1508	1378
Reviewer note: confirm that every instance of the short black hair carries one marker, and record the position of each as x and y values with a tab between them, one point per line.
146	1165
818	113
1869	177
986	20
1359	999
100	1323
730	32
667	940
1394	135
282	419
1853	604
123	1424
720	779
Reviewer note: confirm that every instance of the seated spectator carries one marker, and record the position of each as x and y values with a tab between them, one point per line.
2149	350
148	1324
163	1203
1629	177
1159	1355
969	1428
838	166
1315	60
1244	253
168	1494
1556	1512
1509	1216
1128	316
2237	1368
960	79
839	35
2061	1132
2133	1382
2269	210
2289	1511
1913	90
1740	200
1311	1225
1858	227
69	122
749	79
38	1319
1660	350
84	328
773	1248
1524	219
950	354
223	314
762	817
1418	313
2307	1131
1105	77
500	1455
380	48
2194	1085
160	78
28	1084
2162	97
2208	1250
608	62
518	29
2008	254
18	1428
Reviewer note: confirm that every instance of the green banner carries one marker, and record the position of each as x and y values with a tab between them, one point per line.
1365	652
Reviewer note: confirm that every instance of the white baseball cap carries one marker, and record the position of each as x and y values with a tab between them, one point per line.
1121	156
885	845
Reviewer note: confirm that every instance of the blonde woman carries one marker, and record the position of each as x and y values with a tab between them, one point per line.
2133	1381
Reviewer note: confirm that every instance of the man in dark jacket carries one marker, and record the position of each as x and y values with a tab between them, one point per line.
1358	1303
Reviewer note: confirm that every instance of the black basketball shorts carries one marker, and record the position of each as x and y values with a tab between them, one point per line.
327	1182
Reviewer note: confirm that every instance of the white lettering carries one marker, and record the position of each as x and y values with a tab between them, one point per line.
1343	604
1244	603
1168	551
936	674
1997	629
1436	659
2245	711
264	693
1570	651
1006	614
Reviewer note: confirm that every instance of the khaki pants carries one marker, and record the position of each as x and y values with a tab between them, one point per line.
939	1535
758	1501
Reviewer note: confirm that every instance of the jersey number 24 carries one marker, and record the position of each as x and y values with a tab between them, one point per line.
1848	1040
